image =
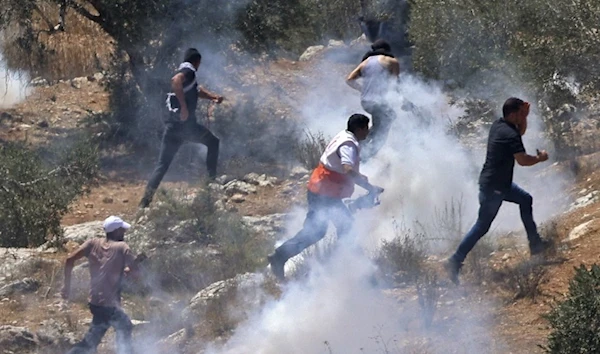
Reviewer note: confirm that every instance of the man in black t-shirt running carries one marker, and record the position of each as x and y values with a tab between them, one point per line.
496	185
181	125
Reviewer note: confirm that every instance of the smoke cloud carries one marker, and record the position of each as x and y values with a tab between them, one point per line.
13	86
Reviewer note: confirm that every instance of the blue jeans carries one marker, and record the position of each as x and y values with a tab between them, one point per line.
489	204
321	210
103	318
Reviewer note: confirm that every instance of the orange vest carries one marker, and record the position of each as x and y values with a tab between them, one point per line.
330	183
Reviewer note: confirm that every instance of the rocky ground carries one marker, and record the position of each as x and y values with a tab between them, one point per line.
34	320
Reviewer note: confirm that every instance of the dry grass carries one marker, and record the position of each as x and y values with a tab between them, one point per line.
82	49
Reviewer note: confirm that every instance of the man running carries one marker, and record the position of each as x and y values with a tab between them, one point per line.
496	185
182	125
378	70
110	259
330	182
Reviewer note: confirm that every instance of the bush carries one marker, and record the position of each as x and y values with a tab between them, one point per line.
309	150
574	322
402	258
201	244
428	295
35	194
525	279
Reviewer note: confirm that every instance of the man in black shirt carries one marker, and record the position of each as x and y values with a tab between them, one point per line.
181	125
496	185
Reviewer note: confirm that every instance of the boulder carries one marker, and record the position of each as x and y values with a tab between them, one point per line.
311	52
270	225
579	231
17	339
238	296
23	286
82	232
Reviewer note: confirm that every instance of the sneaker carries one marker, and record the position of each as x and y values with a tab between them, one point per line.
452	267
277	265
540	247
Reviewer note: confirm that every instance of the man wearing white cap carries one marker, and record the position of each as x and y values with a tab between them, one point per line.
109	260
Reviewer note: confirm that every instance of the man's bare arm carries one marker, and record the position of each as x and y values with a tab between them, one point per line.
394	66
353	76
358	179
177	87
524	159
69	264
205	94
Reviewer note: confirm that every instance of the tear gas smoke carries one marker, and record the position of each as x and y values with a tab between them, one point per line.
13	86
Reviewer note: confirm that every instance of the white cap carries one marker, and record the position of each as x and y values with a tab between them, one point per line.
113	223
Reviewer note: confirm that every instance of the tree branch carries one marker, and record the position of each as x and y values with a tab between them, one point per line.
85	13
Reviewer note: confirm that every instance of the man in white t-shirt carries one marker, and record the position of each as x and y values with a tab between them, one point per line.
332	180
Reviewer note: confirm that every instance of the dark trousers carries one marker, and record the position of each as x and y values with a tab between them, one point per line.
174	136
382	117
489	204
104	318
321	210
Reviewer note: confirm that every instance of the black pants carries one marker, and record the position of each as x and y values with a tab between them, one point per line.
382	117
104	318
174	136
321	210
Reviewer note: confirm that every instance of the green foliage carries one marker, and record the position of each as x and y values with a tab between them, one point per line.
525	41
574	322
34	197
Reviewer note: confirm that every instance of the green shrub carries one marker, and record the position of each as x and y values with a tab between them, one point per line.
36	190
574	322
402	258
309	150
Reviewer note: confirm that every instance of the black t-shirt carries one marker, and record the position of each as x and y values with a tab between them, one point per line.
191	95
504	141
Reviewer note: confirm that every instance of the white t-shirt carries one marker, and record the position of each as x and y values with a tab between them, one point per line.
342	150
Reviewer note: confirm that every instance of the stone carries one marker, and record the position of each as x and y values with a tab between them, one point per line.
107	200
82	232
270	225
241	187
43	124
78	82
19	287
586	200
238	198
579	231
299	172
244	292
260	180
17	339
39	81
311	52
224	179
335	43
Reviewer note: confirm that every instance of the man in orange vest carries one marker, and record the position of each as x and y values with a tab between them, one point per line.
332	180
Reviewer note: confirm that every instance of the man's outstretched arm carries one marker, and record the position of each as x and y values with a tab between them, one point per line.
351	80
207	95
69	264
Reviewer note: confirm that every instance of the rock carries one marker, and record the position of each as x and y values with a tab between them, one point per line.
579	231
224	179
52	332
107	200
17	339
174	339
89	205
299	172
23	286
81	232
216	187
20	262
269	224
78	82
243	293
260	180
360	41
241	187
311	52
43	124
39	81
335	44
506	257
238	198
586	200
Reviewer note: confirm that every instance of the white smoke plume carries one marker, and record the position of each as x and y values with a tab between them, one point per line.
13	86
423	168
